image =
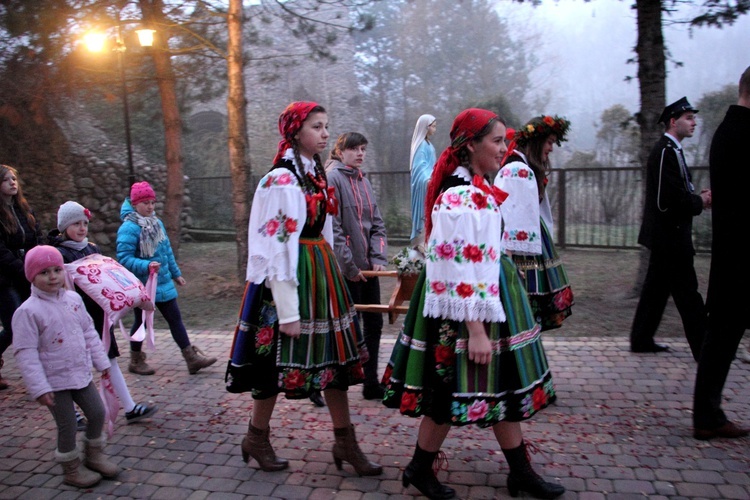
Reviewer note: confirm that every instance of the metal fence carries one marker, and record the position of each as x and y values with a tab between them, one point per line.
596	208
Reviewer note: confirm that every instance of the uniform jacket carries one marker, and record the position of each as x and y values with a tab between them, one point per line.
129	255
729	165
55	342
670	204
358	228
13	247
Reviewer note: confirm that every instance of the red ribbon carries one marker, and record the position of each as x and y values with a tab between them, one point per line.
493	191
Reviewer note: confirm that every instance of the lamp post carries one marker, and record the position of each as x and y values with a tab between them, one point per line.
95	43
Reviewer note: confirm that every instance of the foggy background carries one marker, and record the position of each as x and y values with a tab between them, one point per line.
584	48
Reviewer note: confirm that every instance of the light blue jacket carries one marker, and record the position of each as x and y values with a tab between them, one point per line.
129	255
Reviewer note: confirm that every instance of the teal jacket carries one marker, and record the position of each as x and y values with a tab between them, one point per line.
129	255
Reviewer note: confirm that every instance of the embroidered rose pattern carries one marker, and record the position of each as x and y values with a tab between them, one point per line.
294	379
264	340
520	235
520	172
468	196
283	179
463	289
460	251
564	299
280	227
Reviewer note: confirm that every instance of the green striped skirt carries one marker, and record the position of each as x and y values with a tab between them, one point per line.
546	283
330	350
429	372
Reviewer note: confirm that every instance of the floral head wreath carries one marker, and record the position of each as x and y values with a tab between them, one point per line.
542	126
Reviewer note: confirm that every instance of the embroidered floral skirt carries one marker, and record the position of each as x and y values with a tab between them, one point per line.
429	372
546	283
328	354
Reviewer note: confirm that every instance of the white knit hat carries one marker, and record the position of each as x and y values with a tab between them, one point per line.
69	213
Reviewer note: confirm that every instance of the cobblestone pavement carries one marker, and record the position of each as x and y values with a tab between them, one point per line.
621	429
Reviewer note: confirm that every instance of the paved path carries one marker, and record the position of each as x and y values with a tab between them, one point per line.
621	429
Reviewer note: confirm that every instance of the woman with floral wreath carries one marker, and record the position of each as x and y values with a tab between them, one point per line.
527	218
297	331
470	351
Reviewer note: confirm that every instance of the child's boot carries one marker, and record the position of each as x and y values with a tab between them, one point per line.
346	449
96	459
138	364
75	473
195	359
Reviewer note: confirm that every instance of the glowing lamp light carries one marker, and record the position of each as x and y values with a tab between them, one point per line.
145	37
95	41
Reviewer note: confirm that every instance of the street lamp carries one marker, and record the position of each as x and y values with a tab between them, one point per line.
95	43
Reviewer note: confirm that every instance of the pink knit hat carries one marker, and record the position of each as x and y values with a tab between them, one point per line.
141	191
40	258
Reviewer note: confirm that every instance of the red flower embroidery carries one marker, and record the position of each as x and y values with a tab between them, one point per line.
272	226
473	253
284	179
564	299
264	336
290	225
438	287
294	379
408	402
465	290
523	174
444	355
387	374
479	200
522	236
538	398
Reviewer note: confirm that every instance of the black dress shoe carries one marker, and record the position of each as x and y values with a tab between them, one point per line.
654	347
317	399
728	430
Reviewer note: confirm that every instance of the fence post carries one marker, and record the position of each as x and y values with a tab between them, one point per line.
561	212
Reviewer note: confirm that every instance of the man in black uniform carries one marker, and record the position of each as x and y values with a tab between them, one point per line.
671	204
729	280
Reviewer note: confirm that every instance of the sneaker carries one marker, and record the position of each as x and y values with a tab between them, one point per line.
81	421
139	412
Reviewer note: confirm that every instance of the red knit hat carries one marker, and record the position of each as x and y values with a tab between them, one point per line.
141	191
40	258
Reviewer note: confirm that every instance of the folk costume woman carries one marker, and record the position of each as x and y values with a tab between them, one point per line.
527	216
470	351
297	331
421	162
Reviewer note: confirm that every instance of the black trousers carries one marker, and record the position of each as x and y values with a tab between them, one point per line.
725	331
670	274
368	292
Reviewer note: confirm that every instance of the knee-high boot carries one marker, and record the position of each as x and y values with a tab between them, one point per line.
419	473
522	476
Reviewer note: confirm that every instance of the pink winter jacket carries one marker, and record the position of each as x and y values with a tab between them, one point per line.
55	342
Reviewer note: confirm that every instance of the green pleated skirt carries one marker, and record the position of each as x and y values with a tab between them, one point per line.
330	350
429	372
546	283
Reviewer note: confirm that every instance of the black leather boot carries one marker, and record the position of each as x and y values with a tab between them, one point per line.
419	473
523	478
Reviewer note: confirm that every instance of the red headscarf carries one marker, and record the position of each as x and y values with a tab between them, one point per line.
290	121
467	125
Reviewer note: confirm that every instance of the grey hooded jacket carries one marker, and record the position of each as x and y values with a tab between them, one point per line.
358	229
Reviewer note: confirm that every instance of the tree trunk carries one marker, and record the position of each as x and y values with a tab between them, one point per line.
652	76
239	163
153	14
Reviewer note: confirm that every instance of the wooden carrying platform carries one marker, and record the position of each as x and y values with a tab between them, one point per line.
401	294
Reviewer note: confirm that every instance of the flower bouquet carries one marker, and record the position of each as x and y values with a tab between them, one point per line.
408	261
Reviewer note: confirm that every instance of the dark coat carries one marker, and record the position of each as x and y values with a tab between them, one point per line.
670	206
729	165
13	246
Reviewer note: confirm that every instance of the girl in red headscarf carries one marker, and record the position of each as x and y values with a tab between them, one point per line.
297	332
470	351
